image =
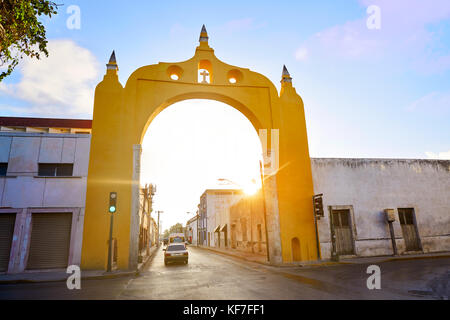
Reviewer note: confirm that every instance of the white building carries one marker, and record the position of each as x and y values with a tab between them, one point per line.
214	211
357	191
192	230
43	172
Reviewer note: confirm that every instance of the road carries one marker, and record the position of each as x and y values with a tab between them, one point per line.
210	275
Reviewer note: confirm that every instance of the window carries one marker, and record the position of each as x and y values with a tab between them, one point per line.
406	216
341	218
178	247
55	169
3	169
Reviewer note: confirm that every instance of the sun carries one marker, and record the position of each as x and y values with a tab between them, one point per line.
251	188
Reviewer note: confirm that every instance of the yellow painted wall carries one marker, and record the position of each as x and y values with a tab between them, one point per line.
122	115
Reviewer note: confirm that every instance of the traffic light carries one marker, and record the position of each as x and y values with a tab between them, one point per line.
112	202
318	205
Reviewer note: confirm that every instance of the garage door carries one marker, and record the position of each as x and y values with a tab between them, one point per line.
50	240
7	221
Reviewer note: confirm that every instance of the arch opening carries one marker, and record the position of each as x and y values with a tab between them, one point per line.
196	145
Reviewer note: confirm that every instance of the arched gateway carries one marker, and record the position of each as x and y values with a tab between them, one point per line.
122	115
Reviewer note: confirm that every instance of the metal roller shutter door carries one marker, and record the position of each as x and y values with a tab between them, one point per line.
7	221
50	240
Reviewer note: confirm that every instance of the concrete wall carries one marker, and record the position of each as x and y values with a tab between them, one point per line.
368	186
23	192
247	216
192	230
218	203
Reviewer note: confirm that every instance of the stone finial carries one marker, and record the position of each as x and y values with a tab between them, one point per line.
112	64
112	59
203	35
285	71
285	76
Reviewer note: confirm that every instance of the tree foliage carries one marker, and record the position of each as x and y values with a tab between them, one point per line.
176	228
21	32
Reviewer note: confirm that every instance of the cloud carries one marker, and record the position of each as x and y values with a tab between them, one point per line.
445	155
301	54
61	85
404	35
434	101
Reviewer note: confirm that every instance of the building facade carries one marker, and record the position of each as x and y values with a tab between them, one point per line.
214	214
43	171
247	225
148	230
356	193
192	230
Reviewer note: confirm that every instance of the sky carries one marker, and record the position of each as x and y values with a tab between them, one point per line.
372	88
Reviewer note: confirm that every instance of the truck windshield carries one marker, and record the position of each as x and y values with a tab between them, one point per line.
177	247
177	240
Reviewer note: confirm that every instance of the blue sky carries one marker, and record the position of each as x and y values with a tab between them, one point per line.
380	93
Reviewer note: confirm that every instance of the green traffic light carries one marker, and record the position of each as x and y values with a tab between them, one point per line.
112	209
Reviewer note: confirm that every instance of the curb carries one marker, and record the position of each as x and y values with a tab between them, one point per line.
406	258
333	263
235	256
111	275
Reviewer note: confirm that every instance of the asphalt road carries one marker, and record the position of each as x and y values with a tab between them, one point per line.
215	276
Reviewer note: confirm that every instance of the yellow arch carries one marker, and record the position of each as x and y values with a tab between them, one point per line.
123	114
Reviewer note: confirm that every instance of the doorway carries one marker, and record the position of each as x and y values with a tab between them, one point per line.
409	229
341	224
7	221
296	250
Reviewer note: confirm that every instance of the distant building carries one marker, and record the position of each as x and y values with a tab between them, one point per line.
43	172
148	230
192	230
247	225
214	215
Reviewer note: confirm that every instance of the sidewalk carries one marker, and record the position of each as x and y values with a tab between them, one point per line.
248	256
61	275
261	259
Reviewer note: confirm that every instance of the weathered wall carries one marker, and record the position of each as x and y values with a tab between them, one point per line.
372	185
23	192
247	216
218	203
192	230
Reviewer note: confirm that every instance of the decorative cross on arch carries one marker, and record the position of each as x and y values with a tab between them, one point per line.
204	74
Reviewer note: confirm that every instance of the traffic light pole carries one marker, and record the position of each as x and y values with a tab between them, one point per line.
319	256
317	237
110	248
112	210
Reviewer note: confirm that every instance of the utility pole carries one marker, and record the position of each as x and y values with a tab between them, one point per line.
390	217
159	230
